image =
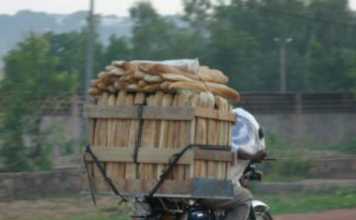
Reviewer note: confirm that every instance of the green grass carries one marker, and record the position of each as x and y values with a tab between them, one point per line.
306	203
99	217
279	203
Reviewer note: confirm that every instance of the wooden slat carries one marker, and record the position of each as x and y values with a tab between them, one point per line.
145	155
156	155
213	114
131	112
157	113
91	126
168	113
213	155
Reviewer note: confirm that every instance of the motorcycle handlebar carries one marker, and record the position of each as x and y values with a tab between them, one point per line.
265	159
270	159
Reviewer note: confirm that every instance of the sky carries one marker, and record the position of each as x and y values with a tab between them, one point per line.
116	7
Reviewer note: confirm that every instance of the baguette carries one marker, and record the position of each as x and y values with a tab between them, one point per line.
117	63
151	88
117	72
193	85
175	77
224	91
94	92
138	75
152	78
212	75
160	69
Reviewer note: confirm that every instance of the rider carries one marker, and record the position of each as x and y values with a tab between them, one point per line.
248	144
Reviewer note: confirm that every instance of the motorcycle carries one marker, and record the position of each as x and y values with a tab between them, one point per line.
165	208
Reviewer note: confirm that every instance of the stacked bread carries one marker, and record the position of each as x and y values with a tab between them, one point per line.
146	77
161	88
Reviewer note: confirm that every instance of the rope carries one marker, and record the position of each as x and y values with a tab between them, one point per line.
175	158
107	179
90	180
139	134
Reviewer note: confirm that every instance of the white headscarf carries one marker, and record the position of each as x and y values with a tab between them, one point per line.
245	133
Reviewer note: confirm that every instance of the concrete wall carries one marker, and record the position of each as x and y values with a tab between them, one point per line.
310	128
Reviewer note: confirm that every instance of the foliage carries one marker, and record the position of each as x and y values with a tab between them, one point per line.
237	36
32	76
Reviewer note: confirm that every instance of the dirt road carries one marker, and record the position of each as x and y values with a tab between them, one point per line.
340	214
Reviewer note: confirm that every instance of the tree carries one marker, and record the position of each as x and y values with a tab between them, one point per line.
31	76
118	49
153	37
70	50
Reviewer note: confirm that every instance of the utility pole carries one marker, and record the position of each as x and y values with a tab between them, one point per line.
283	62
89	66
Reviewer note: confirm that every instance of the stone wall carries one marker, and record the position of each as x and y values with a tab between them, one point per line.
39	184
36	185
334	168
306	186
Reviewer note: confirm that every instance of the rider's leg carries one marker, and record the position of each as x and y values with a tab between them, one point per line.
239	207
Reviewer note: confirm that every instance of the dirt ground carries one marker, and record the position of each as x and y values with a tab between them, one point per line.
62	208
55	208
342	214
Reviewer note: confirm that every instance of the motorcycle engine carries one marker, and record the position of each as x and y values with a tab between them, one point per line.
200	214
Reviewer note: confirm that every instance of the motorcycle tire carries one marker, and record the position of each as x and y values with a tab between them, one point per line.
265	215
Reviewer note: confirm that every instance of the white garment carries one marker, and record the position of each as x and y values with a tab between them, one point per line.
245	138
189	64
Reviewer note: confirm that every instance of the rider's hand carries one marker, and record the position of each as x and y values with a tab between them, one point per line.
260	156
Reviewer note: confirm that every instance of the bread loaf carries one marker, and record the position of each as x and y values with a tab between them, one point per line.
151	77
191	85
212	75
224	91
175	77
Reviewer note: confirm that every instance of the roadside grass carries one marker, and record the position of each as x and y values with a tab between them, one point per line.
98	216
72	208
280	204
307	202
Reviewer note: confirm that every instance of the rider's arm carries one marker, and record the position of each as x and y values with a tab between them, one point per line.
256	157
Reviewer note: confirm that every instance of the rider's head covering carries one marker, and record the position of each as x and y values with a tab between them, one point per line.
247	134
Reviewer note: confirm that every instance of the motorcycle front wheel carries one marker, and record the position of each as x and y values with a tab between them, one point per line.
263	215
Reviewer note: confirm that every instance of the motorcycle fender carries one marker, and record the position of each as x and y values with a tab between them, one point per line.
260	204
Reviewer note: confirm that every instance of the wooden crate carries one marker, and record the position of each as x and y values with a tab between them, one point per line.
169	123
